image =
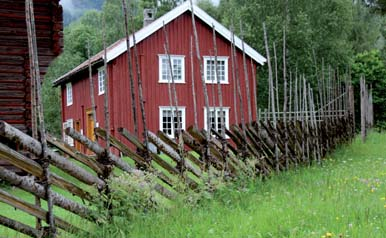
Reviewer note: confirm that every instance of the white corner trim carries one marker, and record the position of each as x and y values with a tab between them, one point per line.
173	14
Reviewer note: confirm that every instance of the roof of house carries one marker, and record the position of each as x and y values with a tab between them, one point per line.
120	46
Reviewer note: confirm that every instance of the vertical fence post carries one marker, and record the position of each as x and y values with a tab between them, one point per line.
363	109
44	160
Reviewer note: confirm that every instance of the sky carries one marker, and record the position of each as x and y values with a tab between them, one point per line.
68	4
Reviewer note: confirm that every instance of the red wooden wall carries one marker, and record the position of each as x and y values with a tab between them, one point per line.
156	94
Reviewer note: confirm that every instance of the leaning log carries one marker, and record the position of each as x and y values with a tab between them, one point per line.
35	147
73	153
97	149
28	184
35	211
19	227
168	150
20	161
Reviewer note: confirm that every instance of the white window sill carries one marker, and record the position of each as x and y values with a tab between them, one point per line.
166	82
210	82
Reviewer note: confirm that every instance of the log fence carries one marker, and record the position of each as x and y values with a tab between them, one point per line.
252	155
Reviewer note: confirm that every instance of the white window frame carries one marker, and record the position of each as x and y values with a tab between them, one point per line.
68	139
168	108
69	94
172	57
226	69
218	110
101	83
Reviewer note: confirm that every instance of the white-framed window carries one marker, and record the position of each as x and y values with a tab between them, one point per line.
178	66
68	139
101	80
215	118
210	69
167	116
69	95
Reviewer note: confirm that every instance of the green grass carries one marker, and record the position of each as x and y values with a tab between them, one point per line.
345	197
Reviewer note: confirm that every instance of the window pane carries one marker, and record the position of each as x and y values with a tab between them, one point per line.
211	70
177	67
169	117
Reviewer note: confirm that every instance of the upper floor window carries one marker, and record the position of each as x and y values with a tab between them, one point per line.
101	80
170	120
210	69
69	95
215	117
178	67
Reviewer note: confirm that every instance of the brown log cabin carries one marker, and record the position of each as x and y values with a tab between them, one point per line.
15	92
15	96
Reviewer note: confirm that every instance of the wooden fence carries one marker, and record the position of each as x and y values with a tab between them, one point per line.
254	149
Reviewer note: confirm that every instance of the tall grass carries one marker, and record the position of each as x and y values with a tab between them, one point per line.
343	198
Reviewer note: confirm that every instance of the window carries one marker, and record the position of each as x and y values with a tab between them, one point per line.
67	139
215	118
210	69
178	66
69	94
169	115
101	81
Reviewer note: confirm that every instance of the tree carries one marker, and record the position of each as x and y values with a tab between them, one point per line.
334	29
370	65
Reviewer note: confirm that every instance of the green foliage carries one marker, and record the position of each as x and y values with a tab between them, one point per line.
370	65
208	7
332	31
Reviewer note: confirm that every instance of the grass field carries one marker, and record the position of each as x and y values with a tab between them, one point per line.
343	198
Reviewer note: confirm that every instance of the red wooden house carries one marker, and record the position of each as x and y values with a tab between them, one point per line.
15	96
154	68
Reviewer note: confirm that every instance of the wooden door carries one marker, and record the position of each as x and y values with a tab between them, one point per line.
90	125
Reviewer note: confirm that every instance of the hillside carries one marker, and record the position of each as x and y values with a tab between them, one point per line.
73	9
